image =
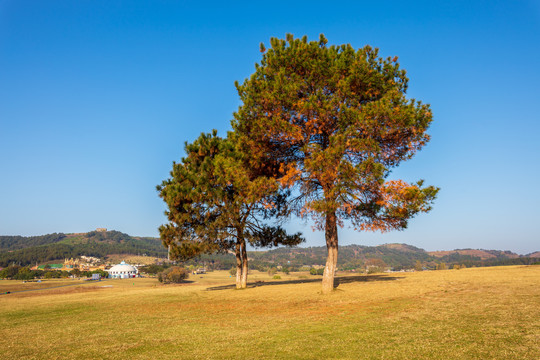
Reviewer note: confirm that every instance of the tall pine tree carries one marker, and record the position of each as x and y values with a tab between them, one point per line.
332	122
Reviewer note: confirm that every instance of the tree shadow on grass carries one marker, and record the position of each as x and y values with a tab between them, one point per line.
338	280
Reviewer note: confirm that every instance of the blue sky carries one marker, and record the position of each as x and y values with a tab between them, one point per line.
97	99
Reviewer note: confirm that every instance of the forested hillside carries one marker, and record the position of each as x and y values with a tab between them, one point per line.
37	249
398	256
9	243
353	257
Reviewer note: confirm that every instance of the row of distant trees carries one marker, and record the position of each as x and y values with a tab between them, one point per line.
351	258
227	261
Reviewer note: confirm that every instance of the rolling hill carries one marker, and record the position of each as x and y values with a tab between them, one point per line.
39	249
478	253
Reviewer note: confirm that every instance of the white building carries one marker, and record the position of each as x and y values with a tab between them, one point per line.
122	271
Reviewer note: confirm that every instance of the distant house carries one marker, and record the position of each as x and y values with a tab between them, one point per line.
122	271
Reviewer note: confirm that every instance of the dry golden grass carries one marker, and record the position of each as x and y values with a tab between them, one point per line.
31	286
477	313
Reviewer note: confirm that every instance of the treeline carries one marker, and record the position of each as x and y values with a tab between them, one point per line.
47	248
16	272
355	257
9	243
498	262
351	257
97	244
117	237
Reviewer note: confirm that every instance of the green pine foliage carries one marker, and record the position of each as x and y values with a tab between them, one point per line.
332	122
217	203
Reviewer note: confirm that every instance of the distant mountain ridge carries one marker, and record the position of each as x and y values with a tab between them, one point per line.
397	256
480	253
38	249
353	257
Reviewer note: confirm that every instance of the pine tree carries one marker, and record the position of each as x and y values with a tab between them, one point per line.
216	203
331	122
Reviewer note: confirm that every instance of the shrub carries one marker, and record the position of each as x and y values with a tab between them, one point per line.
10	272
233	271
314	271
375	265
76	272
24	274
174	274
153	269
272	271
37	274
51	275
277	277
441	266
375	270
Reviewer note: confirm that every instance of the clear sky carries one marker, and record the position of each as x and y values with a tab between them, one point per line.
98	97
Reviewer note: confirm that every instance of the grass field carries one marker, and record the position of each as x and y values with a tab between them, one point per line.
475	313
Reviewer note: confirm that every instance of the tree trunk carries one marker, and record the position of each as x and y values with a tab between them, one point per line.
238	266
332	248
244	266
